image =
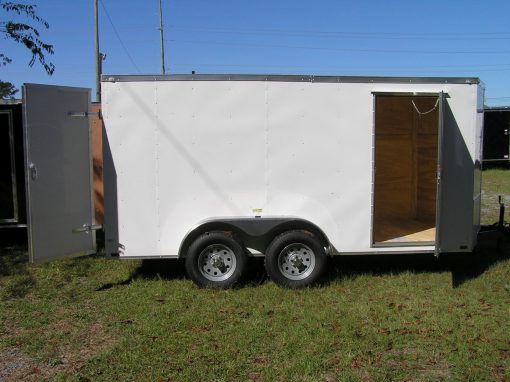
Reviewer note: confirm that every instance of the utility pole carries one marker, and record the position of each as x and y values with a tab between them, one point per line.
161	38
98	56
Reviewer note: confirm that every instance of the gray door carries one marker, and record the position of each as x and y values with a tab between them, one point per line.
455	183
58	171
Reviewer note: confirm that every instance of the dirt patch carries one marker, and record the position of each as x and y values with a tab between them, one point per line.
422	367
15	365
417	365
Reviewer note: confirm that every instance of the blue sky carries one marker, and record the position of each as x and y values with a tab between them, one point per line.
392	37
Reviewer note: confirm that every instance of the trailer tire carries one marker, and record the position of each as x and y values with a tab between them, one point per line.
216	260
295	259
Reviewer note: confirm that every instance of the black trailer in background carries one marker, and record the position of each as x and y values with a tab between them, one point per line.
12	177
12	184
496	137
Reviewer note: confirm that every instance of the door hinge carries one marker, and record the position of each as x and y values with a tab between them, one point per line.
87	228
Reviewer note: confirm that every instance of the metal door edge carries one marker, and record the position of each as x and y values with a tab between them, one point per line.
26	160
72	255
440	142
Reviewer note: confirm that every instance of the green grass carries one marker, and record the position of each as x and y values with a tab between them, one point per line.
400	318
495	182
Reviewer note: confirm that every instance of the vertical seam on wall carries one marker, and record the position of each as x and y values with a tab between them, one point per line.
266	159
374	169
156	153
91	171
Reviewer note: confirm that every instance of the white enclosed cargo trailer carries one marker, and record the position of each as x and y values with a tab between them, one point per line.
215	168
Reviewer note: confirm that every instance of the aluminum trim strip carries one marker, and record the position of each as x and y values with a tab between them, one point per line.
407	94
382	253
397	244
289	78
496	108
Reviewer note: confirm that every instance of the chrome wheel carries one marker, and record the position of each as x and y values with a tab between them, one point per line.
217	262
296	261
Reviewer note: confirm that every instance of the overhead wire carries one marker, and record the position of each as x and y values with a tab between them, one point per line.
495	67
118	37
345	35
377	33
360	50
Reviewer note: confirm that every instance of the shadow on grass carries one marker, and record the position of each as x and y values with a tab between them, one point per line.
13	261
491	249
462	266
152	269
15	278
165	269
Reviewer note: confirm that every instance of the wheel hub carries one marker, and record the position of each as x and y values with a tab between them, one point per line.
217	262
296	261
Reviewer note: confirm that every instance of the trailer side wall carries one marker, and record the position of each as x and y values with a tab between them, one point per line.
186	151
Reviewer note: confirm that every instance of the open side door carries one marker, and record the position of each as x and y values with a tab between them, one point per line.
58	171
455	182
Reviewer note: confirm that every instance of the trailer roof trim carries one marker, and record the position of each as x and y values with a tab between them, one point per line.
288	78
496	108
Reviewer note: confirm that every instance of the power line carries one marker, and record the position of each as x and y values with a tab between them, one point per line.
396	67
321	70
118	37
360	50
368	34
346	35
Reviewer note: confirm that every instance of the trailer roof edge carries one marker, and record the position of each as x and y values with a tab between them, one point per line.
287	78
496	108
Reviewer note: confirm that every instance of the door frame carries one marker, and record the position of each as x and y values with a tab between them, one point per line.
373	244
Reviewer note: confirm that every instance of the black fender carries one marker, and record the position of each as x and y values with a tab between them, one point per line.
253	232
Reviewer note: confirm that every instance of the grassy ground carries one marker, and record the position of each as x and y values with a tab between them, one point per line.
407	318
495	182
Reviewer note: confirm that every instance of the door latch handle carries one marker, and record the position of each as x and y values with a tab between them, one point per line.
87	228
33	171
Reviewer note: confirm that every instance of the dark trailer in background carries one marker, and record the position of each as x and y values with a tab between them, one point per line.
12	178
496	136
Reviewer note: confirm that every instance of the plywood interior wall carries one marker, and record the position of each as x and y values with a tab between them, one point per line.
405	158
96	124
